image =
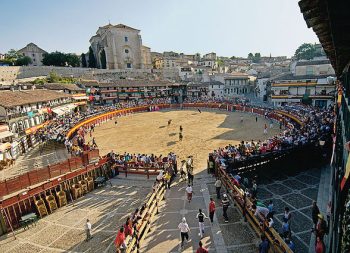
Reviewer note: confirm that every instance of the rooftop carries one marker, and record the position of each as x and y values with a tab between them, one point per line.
318	62
62	86
130	83
16	98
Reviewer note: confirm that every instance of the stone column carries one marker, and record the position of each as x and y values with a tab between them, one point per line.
114	51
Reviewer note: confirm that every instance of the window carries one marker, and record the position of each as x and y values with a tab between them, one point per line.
309	70
126	39
126	51
33	55
128	65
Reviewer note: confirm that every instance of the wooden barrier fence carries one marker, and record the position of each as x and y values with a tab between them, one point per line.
147	217
277	244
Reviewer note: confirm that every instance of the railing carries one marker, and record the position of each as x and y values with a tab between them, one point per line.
243	203
34	177
146	218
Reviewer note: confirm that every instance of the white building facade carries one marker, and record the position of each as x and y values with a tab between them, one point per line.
35	53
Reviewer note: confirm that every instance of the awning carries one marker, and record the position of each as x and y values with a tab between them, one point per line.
5	134
33	129
60	110
5	146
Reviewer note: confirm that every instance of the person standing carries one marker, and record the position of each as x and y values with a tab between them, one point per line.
265	129
201	249
201	216
211	210
184	230
315	213
189	192
218	185
225	203
88	227
319	247
264	245
119	241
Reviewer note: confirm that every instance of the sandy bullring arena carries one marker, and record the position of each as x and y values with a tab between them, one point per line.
149	133
108	207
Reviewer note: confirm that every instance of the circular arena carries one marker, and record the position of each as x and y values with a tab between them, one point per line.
203	132
205	128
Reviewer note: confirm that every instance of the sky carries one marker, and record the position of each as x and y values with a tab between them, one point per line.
227	27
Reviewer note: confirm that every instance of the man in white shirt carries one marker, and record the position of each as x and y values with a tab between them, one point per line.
88	230
189	192
184	229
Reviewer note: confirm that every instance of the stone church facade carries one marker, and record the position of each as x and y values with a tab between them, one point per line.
120	47
33	52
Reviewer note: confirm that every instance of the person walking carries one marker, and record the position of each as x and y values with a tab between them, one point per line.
189	192
189	167
201	216
211	210
218	185
201	249
225	204
88	227
319	247
184	230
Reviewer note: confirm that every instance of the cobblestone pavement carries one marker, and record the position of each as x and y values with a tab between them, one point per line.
63	231
296	191
37	158
232	237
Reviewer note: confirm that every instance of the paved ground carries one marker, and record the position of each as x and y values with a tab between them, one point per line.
297	191
232	237
37	158
63	231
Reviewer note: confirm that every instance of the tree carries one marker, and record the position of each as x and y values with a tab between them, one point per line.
54	59
250	56
306	51
23	61
233	57
92	59
11	56
257	58
83	60
103	59
53	77
72	60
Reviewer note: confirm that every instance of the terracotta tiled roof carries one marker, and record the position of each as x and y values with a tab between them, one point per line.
62	86
15	98
130	83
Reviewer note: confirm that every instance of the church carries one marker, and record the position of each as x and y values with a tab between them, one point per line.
120	47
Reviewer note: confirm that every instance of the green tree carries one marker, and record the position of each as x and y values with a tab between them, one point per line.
54	59
306	51
257	58
23	61
11	56
53	77
250	56
233	57
83	60
92	59
103	59
72	60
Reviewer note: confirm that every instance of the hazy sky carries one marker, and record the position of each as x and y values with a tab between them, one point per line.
227	27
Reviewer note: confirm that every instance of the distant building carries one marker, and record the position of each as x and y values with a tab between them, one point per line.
216	89
209	56
314	68
33	52
311	81
120	46
236	84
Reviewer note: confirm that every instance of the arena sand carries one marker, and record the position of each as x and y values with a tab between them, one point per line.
148	133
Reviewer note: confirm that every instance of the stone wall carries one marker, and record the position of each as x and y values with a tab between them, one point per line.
14	74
